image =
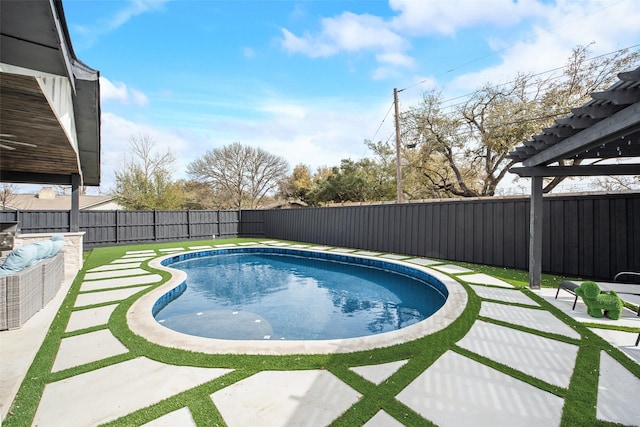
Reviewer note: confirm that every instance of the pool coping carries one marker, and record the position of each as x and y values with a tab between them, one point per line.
142	323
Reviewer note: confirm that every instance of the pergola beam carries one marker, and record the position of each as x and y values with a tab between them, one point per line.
578	170
590	137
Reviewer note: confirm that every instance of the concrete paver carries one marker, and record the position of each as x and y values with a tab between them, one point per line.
146	255
117	266
285	398
112	274
92	298
394	256
118	282
141	251
452	269
528	317
136	258
116	390
625	341
504	295
423	261
382	419
485	279
546	359
457	391
85	348
181	417
615	386
378	373
87	318
367	253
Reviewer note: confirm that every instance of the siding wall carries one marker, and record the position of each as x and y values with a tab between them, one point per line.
584	236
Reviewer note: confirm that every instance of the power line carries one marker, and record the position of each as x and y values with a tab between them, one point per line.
550	31
382	122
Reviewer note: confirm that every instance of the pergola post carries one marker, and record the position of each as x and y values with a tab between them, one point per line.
74	220
535	233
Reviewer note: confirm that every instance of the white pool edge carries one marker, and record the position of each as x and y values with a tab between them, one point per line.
142	323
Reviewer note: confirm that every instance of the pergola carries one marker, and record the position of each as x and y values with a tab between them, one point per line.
49	102
607	127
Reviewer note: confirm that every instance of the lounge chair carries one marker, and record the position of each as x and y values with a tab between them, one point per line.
628	292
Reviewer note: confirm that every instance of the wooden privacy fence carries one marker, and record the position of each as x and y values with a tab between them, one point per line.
584	236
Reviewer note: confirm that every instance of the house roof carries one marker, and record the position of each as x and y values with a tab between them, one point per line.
50	110
38	202
606	127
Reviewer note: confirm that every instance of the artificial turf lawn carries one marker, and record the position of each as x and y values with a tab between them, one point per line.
580	396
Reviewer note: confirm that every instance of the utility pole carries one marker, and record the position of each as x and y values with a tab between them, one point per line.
398	165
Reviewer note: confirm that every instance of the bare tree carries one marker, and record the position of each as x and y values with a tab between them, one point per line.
144	180
618	183
462	151
7	194
243	174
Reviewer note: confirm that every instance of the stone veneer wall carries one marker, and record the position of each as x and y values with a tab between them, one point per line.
73	249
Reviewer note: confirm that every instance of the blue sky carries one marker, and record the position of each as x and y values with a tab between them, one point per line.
311	80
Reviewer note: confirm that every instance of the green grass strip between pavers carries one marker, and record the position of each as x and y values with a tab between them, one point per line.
580	396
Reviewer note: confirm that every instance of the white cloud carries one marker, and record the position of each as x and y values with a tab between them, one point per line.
345	33
448	17
551	41
284	110
118	91
116	134
249	53
87	35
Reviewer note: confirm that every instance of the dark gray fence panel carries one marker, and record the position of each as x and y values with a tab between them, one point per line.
583	236
99	226
251	224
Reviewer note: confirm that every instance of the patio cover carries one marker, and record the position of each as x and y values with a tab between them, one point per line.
50	101
607	127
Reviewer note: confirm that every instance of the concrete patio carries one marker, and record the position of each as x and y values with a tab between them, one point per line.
455	390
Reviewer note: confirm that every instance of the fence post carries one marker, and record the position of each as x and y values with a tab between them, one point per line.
74	213
189	223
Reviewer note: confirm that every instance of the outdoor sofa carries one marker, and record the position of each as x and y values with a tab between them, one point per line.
25	292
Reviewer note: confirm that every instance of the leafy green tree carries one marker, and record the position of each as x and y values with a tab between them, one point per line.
461	151
298	185
380	171
364	180
239	174
143	181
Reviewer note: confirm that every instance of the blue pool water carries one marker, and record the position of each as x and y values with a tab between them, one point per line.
268	293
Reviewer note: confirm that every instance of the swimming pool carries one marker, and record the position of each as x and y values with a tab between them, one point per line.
264	293
141	320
